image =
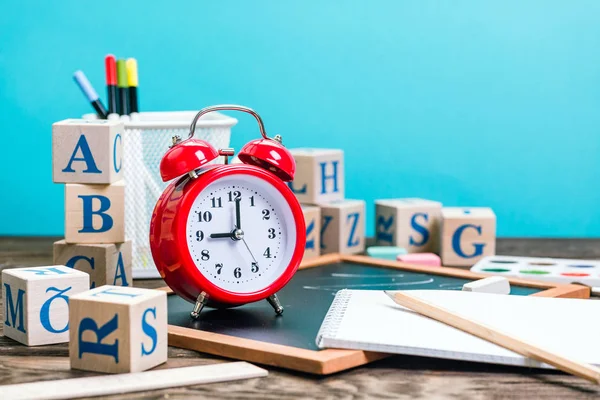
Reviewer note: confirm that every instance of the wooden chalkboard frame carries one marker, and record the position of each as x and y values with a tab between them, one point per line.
328	361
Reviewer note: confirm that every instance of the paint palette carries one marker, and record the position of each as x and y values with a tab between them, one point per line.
559	270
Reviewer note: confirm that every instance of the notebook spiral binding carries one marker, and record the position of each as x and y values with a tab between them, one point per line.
333	319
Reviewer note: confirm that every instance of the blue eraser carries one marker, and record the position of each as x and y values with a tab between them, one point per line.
386	252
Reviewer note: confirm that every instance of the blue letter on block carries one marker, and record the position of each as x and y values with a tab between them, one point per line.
88	214
120	272
88	158
45	310
420	229
11	311
384	235
73	260
88	324
117	167
333	176
354	218
149	331
47	271
325	221
116	292
302	190
310	244
456	242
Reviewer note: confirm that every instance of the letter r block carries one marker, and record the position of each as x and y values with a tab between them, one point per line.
319	175
87	151
312	219
118	329
95	213
343	227
36	302
468	235
411	223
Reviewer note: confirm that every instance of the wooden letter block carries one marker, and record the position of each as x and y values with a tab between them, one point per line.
87	151
107	264
319	175
36	302
412	224
95	213
468	235
312	218
343	227
118	329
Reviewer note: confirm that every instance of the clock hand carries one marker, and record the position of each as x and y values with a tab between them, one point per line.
249	251
221	235
238	217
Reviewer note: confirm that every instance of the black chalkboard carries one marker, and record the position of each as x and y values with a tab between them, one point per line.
306	300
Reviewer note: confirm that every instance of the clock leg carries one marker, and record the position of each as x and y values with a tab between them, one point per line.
274	302
200	303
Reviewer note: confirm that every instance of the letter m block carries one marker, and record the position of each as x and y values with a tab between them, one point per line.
87	151
36	303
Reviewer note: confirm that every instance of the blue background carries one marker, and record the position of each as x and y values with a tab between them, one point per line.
466	102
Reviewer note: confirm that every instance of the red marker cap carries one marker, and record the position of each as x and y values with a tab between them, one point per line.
111	70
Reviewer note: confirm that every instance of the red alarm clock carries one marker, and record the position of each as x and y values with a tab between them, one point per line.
226	235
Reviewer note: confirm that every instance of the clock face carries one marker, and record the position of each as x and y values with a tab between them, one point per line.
245	258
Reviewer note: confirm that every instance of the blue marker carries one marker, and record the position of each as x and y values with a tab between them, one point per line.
90	94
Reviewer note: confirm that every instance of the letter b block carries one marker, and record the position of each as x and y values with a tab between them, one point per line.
118	329
343	227
312	219
468	235
36	302
319	175
87	151
95	213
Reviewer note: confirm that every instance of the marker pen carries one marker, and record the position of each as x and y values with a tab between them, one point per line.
111	83
90	93
122	85
132	82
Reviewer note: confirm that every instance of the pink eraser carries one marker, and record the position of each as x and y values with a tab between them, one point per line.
421	259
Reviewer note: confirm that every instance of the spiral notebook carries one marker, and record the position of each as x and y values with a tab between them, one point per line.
369	320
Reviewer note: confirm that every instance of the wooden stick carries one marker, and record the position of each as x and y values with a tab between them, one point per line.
495	336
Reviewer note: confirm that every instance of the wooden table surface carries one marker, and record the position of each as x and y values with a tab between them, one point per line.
395	377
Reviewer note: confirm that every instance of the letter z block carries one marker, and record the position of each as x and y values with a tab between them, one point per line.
87	151
312	219
107	264
468	235
118	329
343	227
95	213
319	175
36	302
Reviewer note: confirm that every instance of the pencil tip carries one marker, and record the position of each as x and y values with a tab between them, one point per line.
389	294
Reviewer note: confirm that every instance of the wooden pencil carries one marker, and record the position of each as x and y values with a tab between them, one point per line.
496	336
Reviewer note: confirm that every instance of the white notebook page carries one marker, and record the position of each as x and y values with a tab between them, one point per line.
370	320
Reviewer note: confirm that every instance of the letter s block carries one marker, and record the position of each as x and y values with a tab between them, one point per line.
319	175
413	224
95	213
36	302
312	219
343	227
107	264
118	329
468	235
87	151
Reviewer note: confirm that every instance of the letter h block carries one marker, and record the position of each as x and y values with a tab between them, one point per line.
36	302
468	235
319	175
343	227
312	219
95	213
413	224
118	329
87	151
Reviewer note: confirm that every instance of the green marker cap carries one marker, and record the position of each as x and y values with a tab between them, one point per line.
121	74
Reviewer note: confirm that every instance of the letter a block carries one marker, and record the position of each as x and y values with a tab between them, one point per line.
87	151
468	235
95	213
343	227
107	264
312	219
36	302
118	329
319	175
412	224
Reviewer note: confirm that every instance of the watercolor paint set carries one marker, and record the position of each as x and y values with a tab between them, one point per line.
559	270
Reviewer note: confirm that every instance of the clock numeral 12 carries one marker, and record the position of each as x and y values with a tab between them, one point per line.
234	196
